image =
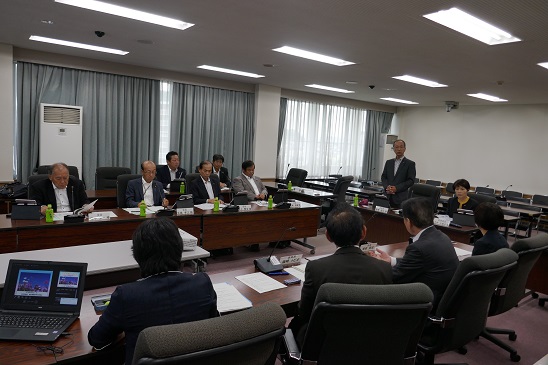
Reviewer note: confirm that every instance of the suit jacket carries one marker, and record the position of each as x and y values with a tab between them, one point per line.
240	183
491	242
430	260
199	192
453	204
168	298
163	175
43	193
403	180
134	192
347	265
224	176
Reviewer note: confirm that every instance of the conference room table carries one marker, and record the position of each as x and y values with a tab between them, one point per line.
80	352
308	195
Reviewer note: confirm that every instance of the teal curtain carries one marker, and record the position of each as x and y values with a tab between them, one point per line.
377	123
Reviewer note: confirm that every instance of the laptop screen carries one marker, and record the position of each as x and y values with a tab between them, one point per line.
44	286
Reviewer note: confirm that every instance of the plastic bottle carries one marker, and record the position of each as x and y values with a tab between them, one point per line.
182	187
270	202
289	186
49	214
216	205
355	200
143	209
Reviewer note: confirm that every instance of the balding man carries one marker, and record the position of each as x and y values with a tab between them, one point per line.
145	188
65	193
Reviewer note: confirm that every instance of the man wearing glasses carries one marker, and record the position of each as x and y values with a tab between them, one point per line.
145	188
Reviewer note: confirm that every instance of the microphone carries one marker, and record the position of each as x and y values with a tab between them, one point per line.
283	204
72	197
264	264
509	186
340	168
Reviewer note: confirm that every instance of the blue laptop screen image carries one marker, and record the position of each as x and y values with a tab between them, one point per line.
35	286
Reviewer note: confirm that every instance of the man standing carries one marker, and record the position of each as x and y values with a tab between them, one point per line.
248	182
145	189
166	174
348	264
207	187
220	170
398	175
65	193
431	258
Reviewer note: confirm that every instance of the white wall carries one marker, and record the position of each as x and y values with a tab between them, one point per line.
267	115
496	145
6	113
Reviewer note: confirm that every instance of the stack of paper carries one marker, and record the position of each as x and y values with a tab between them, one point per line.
229	298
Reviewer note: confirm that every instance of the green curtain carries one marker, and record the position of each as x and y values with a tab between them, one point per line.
377	123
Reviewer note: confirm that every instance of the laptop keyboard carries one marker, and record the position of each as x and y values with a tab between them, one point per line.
21	321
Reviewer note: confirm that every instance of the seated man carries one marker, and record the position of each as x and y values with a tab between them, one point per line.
145	189
166	174
164	295
65	193
249	183
489	217
348	264
431	258
207	187
220	170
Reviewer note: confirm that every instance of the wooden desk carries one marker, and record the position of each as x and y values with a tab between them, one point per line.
308	195
106	199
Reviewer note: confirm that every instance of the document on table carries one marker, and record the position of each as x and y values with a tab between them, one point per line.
229	298
208	206
137	211
260	282
297	271
462	254
60	216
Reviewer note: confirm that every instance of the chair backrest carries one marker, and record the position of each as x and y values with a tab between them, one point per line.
525	206
121	186
480	198
449	188
349	323
32	180
190	177
485	190
106	177
512	287
296	176
426	191
540	199
511	194
433	182
462	312
43	169
519	200
251	336
341	187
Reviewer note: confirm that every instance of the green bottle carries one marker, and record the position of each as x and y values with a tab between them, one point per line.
289	186
143	209
216	205
356	200
182	187
49	214
270	202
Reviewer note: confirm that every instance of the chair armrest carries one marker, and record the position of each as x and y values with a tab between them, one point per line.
291	345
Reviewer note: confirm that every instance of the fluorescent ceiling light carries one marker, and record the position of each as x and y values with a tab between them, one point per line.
487	97
471	26
128	13
329	88
312	56
228	71
77	45
419	81
399	101
543	64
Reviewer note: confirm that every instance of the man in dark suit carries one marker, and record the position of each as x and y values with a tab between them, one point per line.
220	170
431	258
249	183
164	295
398	175
207	187
348	264
65	193
145	189
171	171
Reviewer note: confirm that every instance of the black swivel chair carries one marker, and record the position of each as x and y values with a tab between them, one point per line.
485	191
251	336
462	312
449	188
121	186
354	324
340	194
43	169
433	182
512	288
480	198
509	194
33	179
296	176
189	178
426	191
106	177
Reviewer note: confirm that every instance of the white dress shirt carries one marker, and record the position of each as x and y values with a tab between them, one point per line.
147	192
62	199
253	185
209	188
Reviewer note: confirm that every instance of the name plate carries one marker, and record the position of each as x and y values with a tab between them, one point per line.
299	190
98	216
441	222
185	211
290	260
245	207
370	246
381	209
295	204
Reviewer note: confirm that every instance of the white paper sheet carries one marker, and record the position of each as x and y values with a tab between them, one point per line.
260	282
229	298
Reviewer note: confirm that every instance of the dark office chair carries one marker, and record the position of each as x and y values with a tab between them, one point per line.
105	177
121	186
540	199
189	178
525	223
485	190
509	194
512	288
352	324
519	200
480	198
33	179
449	188
340	191
426	191
43	169
462	312
251	336
433	182
296	176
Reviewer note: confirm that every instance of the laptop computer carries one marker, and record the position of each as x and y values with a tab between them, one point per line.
41	299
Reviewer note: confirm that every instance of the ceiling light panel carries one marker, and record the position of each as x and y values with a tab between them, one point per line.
399	101
471	26
418	80
329	88
229	71
312	56
128	13
77	45
487	97
543	64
